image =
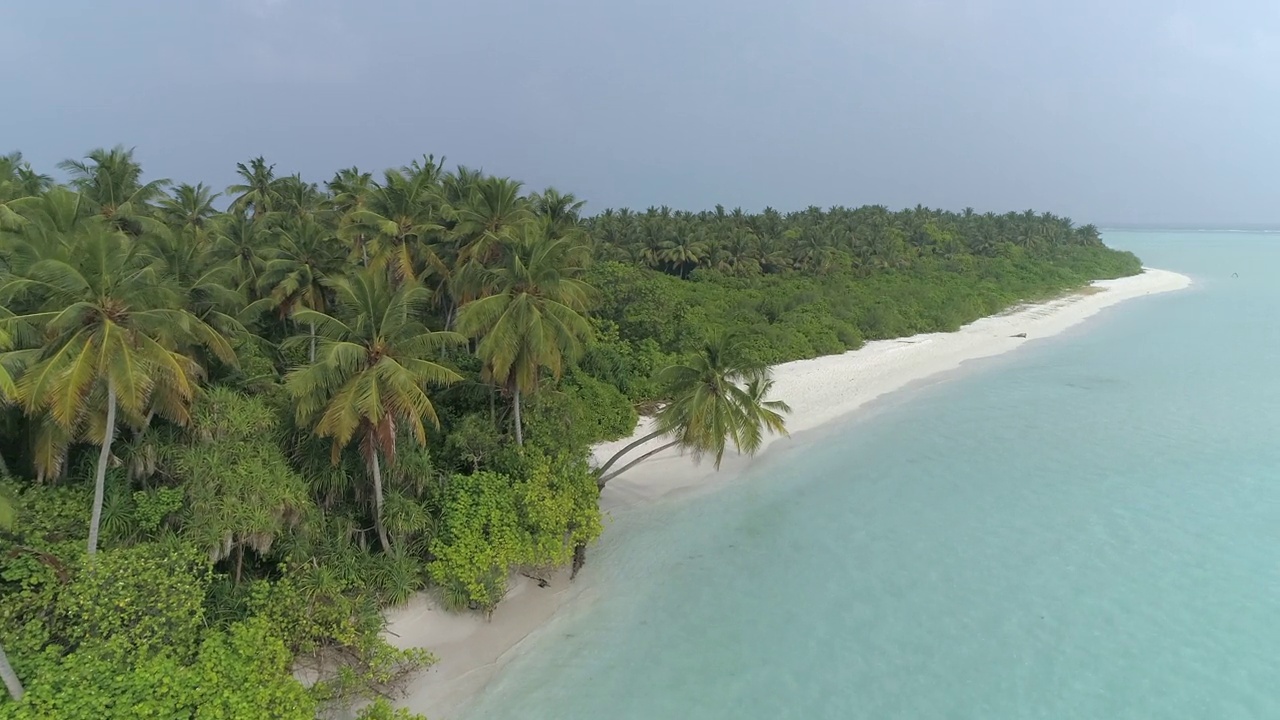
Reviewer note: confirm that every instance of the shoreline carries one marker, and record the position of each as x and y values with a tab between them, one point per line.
820	390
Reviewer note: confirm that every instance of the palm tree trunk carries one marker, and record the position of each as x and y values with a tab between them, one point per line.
100	482
519	428
312	356
377	502
11	680
606	478
618	456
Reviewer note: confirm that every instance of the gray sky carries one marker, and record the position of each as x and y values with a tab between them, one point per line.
1106	110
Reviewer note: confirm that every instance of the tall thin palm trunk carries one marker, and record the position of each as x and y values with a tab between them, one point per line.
312	356
11	680
516	408
100	482
377	502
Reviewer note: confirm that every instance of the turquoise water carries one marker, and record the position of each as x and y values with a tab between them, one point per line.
1086	528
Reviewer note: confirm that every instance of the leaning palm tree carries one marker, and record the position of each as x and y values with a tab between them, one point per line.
717	397
373	366
532	313
116	341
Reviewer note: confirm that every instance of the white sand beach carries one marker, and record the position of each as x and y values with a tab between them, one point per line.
472	649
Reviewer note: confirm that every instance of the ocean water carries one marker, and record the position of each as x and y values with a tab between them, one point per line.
1088	527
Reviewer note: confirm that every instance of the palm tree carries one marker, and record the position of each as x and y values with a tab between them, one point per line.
400	217
212	289
562	211
350	190
492	212
374	364
296	199
717	396
294	276
240	243
532	314
684	252
18	180
111	180
117	339
258	191
189	209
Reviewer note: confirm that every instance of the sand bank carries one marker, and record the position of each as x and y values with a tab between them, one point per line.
472	650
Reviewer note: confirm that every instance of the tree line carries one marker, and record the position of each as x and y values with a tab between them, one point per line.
238	423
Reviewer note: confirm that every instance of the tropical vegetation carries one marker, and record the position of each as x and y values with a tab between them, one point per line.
238	425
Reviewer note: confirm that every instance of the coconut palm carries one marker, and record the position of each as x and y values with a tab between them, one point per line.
42	227
494	211
531	316
258	193
307	253
189	209
349	190
717	397
240	243
213	292
117	340
456	186
18	180
563	211
296	199
111	181
400	218
684	252
373	366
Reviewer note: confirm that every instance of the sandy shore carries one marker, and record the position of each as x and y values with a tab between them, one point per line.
472	650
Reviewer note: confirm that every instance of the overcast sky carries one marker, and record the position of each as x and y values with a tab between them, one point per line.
1106	110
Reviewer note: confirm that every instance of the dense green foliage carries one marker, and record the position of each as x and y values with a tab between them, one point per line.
230	438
